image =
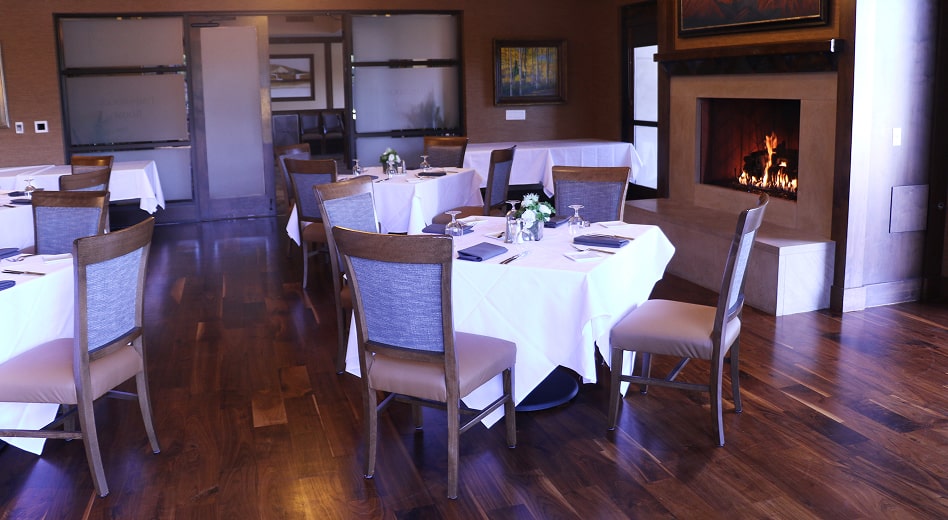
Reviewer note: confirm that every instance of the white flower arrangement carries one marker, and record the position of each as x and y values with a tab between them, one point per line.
390	158
531	209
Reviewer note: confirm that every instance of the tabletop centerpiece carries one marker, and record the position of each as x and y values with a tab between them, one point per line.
390	161
534	214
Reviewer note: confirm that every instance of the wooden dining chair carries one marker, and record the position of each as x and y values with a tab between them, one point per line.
87	163
304	174
445	151
296	151
601	190
349	204
60	217
495	195
107	348
689	331
408	348
95	178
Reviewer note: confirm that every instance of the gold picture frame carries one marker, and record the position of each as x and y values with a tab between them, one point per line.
4	113
701	17
529	72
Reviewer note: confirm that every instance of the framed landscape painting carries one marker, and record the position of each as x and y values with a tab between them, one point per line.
701	17
529	72
291	77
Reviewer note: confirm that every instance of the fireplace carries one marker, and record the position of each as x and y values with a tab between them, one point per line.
750	145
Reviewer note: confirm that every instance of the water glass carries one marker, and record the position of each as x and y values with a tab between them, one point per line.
512	231
453	228
575	224
356	168
425	166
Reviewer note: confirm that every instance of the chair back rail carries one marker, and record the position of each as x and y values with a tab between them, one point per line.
601	190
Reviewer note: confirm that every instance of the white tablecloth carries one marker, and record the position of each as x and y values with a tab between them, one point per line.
16	224
130	180
555	309
37	309
407	203
534	160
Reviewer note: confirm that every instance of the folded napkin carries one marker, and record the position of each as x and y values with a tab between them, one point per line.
6	284
16	194
432	173
8	251
555	222
482	251
438	229
21	201
600	240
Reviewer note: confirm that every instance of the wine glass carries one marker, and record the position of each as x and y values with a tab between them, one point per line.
453	228
29	189
575	223
513	223
356	168
425	166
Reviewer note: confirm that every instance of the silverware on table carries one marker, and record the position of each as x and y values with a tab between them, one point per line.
514	257
11	271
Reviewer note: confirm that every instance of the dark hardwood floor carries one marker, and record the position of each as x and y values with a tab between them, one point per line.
845	417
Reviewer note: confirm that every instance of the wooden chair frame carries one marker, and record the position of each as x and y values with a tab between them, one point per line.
94	176
71	199
297	166
437	146
502	158
618	175
417	249
86	163
727	314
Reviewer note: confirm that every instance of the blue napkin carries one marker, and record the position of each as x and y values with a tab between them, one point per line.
16	194
438	229
482	251
432	173
601	240
8	251
21	201
6	284
555	222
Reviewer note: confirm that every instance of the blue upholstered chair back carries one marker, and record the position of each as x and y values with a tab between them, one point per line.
57	227
601	200
306	202
401	303
731	296
445	152
112	296
353	212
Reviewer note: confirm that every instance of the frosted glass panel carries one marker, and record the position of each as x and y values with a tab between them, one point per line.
386	99
646	145
645	104
233	124
127	109
404	37
174	168
368	149
109	42
338	77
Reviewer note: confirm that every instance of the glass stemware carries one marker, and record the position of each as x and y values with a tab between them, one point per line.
29	189
356	168
425	166
513	223
453	228
575	223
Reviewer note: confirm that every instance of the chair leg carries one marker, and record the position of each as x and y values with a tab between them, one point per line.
417	417
717	419
454	429
618	356
90	439
510	409
144	402
343	337
736	377
305	247
371	430
646	370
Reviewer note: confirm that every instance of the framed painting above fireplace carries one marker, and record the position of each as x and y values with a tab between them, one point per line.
701	17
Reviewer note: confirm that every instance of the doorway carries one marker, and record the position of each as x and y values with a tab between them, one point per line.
640	93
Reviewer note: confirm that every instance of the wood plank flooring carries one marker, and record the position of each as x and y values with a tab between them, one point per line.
845	417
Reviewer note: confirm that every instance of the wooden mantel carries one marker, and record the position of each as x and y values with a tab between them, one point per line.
805	56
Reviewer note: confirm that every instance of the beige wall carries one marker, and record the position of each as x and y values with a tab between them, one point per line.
591	29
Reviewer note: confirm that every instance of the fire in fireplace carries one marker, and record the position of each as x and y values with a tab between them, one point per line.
750	144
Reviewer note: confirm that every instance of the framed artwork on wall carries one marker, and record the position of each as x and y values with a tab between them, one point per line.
291	77
529	72
701	17
4	113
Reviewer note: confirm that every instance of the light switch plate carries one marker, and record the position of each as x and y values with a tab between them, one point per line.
516	115
18	126
40	127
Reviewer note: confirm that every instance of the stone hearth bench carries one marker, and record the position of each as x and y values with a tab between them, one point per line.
790	271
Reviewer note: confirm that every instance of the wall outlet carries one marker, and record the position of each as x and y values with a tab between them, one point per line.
516	115
18	126
40	127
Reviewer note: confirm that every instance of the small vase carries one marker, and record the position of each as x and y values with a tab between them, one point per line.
533	231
